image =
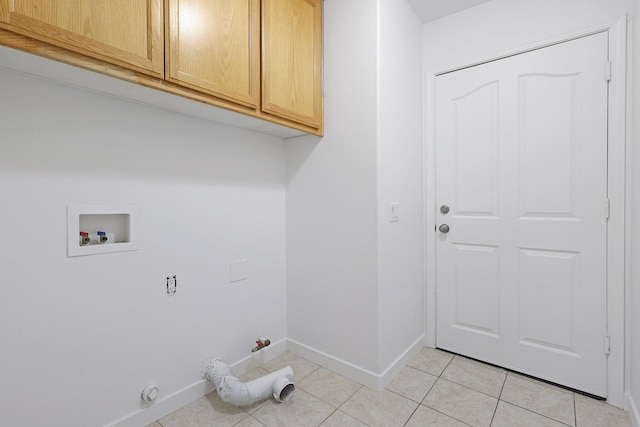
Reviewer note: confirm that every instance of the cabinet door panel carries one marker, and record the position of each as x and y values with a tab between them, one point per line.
214	46
291	60
123	32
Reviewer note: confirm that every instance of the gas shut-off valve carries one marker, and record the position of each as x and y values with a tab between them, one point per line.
262	342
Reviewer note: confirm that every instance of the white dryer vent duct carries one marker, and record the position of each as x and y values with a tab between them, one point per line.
232	390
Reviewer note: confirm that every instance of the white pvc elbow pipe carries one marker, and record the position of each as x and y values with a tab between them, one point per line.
232	390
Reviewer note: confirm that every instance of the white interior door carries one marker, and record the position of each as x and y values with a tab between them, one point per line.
521	155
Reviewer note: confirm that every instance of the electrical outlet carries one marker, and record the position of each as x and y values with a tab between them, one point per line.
172	284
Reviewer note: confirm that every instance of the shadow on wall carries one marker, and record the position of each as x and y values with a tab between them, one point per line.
298	150
52	128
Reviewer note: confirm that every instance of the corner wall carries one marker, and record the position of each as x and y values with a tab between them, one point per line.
400	180
354	279
332	201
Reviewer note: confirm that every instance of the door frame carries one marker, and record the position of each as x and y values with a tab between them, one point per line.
618	180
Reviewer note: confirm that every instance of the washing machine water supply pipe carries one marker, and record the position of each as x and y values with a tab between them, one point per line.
232	390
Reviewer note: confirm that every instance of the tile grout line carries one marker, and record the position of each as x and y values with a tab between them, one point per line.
533	380
328	416
469	388
499	398
411	416
345	402
440	377
536	413
575	411
525	378
448	416
341	405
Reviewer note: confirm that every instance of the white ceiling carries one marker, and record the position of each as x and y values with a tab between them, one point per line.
429	10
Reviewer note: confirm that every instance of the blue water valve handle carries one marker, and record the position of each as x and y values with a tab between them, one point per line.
103	236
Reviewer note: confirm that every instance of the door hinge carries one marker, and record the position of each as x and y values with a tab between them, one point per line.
607	344
607	209
608	73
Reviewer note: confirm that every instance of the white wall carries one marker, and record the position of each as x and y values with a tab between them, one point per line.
354	279
400	161
81	337
633	304
498	25
503	25
332	200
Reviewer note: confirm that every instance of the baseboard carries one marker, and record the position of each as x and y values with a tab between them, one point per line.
353	372
164	406
399	364
256	359
632	409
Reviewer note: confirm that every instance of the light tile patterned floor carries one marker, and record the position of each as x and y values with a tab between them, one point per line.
435	389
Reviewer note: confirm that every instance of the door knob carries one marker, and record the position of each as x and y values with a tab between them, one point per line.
444	209
444	228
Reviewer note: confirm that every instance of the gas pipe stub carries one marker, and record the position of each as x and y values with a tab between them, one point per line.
150	393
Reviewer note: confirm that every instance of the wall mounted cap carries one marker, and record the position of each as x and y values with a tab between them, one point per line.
150	393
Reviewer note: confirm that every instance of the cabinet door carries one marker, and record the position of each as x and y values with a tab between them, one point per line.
122	32
214	47
292	60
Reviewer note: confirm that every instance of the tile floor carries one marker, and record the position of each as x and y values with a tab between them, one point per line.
435	389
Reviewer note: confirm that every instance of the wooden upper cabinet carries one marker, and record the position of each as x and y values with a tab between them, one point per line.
123	32
262	58
213	46
292	60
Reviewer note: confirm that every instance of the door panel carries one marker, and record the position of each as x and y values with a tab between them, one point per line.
545	273
521	150
547	115
476	288
476	149
214	47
